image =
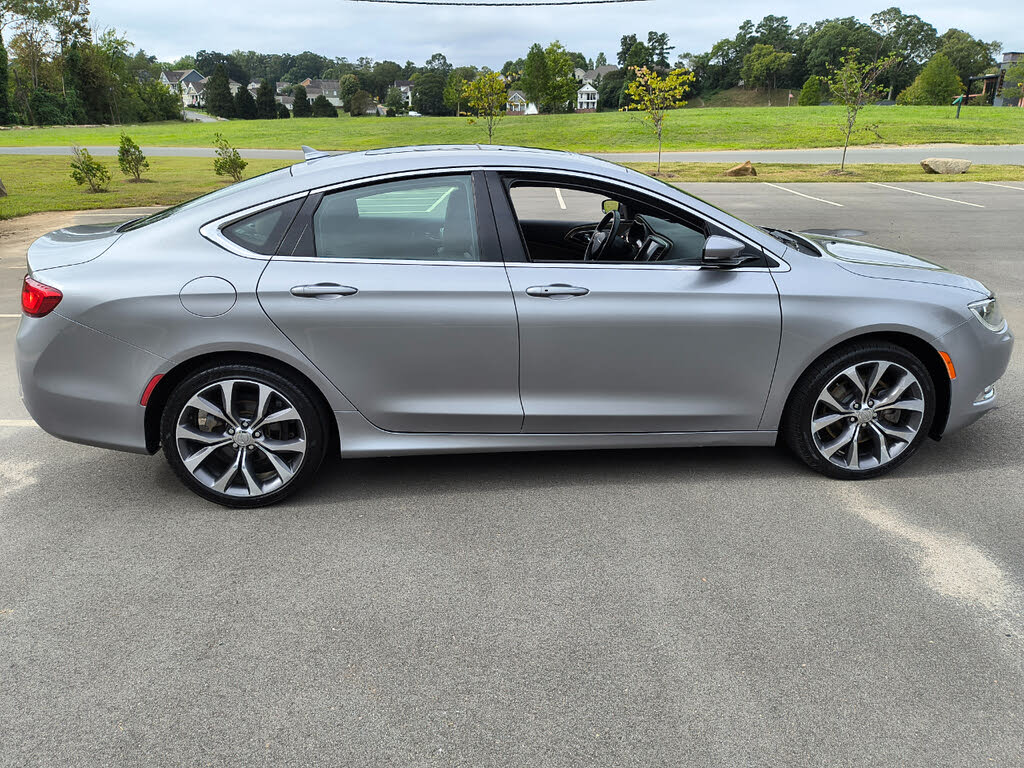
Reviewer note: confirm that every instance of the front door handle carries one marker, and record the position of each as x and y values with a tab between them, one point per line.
556	290
324	290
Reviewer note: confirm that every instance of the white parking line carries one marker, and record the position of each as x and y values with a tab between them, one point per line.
924	194
558	194
17	423
996	184
809	197
17	315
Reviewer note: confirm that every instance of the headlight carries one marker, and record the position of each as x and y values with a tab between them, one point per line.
988	312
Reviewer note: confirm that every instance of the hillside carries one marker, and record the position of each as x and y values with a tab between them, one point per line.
745	97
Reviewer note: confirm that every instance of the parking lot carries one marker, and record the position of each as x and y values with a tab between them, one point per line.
719	607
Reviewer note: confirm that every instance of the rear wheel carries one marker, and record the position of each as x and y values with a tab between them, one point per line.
861	412
243	436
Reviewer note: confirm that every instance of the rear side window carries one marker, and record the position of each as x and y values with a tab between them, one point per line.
428	219
262	232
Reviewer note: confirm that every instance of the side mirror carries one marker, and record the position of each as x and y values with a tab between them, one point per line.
722	251
610	205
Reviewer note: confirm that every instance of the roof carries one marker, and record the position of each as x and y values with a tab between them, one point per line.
403	84
516	94
587	88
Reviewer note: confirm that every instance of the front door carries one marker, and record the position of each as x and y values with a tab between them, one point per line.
398	295
641	339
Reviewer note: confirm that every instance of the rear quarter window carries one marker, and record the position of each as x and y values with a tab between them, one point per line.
262	232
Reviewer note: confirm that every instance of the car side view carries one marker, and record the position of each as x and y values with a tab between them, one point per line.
462	299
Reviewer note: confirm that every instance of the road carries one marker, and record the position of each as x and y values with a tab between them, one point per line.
996	154
711	607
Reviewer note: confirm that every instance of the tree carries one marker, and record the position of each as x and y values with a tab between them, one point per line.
762	67
601	60
657	43
853	84
394	102
208	61
906	36
360	102
535	78
548	77
245	104
301	106
347	85
219	101
937	84
654	95
626	44
228	162
487	97
266	107
428	92
609	90
439	64
810	94
968	55
1013	81
775	31
86	170
323	108
130	158
824	47
6	112
455	88
283	113
639	56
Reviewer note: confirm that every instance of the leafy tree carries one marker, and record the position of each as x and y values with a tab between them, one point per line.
937	84
626	44
762	67
86	170
1013	81
657	43
130	158
360	102
810	94
208	61
775	31
906	36
301	107
394	102
228	162
6	112
428	92
825	47
245	104
968	55
439	64
219	101
487	97
347	85
283	113
511	67
455	91
384	75
266	107
548	78
323	108
639	56
654	95
609	90
601	60
854	84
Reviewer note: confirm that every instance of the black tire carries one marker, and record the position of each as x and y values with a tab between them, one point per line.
310	426
796	429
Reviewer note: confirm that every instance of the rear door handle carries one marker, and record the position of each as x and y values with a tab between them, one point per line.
323	290
556	290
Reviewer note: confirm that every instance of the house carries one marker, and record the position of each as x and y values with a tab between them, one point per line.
405	86
518	104
193	94
591	76
328	88
233	86
179	78
1009	59
281	86
586	98
288	101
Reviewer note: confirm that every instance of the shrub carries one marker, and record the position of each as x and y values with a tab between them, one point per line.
301	107
131	159
86	170
228	162
323	108
266	107
938	84
810	94
283	113
245	104
360	102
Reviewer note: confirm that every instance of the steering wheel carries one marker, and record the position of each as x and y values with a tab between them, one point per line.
600	240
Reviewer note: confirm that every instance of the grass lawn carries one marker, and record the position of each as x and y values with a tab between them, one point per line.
693	129
42	183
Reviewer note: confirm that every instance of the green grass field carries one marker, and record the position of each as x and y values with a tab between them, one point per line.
42	183
686	129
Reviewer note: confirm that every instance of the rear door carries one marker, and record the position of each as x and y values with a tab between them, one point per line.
397	292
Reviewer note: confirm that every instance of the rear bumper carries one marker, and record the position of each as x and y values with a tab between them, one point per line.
981	358
82	385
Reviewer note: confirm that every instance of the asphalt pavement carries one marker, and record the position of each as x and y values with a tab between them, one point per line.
994	154
702	607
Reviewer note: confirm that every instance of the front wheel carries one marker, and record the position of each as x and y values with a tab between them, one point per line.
243	436
861	411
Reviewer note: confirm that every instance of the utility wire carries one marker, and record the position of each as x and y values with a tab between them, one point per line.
498	5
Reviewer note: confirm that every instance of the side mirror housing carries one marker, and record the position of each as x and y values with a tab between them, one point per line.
610	205
720	251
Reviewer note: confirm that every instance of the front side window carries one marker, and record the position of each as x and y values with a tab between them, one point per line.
429	219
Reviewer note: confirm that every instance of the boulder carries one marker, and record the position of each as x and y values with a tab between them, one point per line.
947	165
743	169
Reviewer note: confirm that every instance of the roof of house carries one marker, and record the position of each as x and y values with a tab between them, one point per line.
325	85
174	75
516	95
593	74
587	88
403	84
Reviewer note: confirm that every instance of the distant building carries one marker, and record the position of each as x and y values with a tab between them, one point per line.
179	78
328	88
586	98
591	76
405	86
1009	59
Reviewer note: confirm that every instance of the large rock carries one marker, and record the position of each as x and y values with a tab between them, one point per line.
743	169
947	165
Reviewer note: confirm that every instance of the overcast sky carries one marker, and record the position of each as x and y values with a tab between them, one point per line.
483	36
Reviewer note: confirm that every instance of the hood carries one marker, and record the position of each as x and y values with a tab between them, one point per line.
74	245
872	261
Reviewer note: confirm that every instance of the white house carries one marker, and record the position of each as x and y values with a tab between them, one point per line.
518	104
591	76
405	86
174	78
586	98
328	88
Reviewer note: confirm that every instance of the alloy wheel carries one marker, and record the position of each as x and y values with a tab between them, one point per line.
240	438
867	415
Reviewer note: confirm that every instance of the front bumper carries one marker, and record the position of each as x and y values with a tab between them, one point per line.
981	358
82	385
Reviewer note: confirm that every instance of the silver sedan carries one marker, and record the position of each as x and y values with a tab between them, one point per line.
462	299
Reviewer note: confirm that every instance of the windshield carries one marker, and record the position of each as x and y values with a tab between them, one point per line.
215	195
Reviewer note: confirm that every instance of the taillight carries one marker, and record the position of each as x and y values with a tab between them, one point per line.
38	299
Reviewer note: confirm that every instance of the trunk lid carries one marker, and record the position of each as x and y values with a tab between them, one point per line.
73	245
